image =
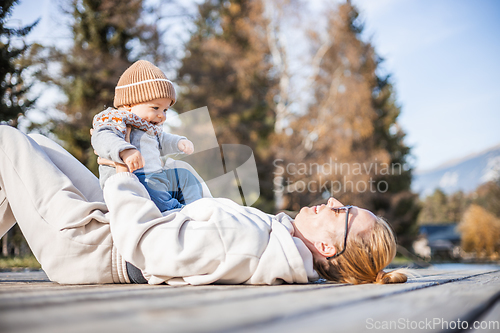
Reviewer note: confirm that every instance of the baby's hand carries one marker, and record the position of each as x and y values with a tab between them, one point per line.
185	146
132	158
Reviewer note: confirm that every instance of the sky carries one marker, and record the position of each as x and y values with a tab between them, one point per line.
445	64
443	57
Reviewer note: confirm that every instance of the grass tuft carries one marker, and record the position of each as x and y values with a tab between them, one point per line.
29	262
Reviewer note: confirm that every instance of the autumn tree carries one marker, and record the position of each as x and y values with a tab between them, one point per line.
348	143
480	223
227	69
487	195
107	37
13	62
480	231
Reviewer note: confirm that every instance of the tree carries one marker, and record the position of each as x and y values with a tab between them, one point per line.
480	223
13	62
480	232
487	195
105	32
227	68
442	208
457	204
435	208
284	24
348	143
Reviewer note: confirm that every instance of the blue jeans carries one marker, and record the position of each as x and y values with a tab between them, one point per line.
171	188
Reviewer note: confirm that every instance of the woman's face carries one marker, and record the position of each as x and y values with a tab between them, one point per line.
321	223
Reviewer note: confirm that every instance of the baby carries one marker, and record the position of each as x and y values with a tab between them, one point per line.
131	134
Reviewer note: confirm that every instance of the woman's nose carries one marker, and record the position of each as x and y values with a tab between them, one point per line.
332	202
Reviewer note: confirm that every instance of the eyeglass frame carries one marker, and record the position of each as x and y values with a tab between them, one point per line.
337	209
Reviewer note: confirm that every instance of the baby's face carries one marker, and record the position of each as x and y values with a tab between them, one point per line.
152	111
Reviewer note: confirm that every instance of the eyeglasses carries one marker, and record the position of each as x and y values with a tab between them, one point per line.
338	209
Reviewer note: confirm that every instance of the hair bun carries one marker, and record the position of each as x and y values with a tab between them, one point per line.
390	277
380	277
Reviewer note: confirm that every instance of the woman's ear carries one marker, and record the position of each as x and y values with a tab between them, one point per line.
325	249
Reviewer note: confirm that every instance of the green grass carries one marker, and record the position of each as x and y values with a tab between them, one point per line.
19	262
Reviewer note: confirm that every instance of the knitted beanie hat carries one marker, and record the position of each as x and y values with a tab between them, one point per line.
142	82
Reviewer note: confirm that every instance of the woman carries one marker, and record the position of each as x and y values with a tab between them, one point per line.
80	235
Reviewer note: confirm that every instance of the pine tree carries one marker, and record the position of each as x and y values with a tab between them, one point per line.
348	143
441	208
13	90
435	208
227	69
104	32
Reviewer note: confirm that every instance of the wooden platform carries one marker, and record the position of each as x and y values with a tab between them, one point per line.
437	300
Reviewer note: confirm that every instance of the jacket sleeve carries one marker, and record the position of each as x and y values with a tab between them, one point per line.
108	141
168	143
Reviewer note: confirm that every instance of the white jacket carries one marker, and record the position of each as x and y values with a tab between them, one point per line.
208	241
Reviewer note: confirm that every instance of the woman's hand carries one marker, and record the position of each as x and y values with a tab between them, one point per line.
132	158
121	168
185	146
118	166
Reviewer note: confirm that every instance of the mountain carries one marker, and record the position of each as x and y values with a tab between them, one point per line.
464	174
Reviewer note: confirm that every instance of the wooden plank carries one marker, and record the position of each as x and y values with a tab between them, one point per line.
489	322
436	308
70	296
27	293
23	276
192	309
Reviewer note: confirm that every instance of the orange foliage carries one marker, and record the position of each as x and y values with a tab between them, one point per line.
480	232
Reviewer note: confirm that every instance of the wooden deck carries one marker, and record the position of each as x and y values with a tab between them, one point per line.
31	303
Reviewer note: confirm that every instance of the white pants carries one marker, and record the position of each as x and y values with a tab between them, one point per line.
59	207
